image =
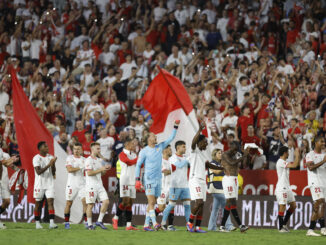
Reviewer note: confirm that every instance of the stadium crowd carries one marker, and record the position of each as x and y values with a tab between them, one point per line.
254	70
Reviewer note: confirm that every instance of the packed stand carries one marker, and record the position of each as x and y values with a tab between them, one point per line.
254	70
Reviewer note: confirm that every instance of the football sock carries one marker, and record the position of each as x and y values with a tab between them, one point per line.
128	224
100	217
67	216
171	217
225	215
152	216
187	211
37	216
191	218
198	221
157	211
120	210
89	221
128	214
280	219
235	214
85	217
312	225
2	210
321	222
288	214
166	213
51	216
147	219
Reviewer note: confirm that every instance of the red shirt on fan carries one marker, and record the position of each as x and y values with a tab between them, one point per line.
243	123
262	114
87	148
251	139
80	135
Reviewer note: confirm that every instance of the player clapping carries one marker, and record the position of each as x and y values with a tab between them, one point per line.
94	186
44	166
75	187
128	160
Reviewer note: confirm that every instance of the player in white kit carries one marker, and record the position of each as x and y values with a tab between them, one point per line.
44	168
5	162
179	186
199	161
128	160
315	161
166	181
283	192
94	186
75	187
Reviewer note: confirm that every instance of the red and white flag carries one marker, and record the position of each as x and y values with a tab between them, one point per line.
29	131
167	100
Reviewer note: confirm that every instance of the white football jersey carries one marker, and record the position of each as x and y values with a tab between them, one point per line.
77	178
166	179
315	177
127	176
283	173
179	178
93	164
44	180
4	181
197	161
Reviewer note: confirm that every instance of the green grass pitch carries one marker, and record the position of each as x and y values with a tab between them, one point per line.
23	233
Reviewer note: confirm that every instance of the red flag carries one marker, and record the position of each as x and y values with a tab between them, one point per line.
167	100
165	94
29	131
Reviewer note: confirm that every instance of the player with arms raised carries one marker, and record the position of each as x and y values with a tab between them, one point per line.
44	183
283	192
75	187
199	161
151	157
94	186
230	184
315	161
128	160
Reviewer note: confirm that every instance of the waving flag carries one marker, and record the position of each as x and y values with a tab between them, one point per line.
167	100
29	131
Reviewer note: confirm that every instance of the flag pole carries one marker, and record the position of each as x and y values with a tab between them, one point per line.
175	94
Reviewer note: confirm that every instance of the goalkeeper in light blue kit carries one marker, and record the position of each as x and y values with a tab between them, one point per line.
151	156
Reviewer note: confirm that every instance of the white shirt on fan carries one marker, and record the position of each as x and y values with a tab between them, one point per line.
44	180
76	179
106	145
